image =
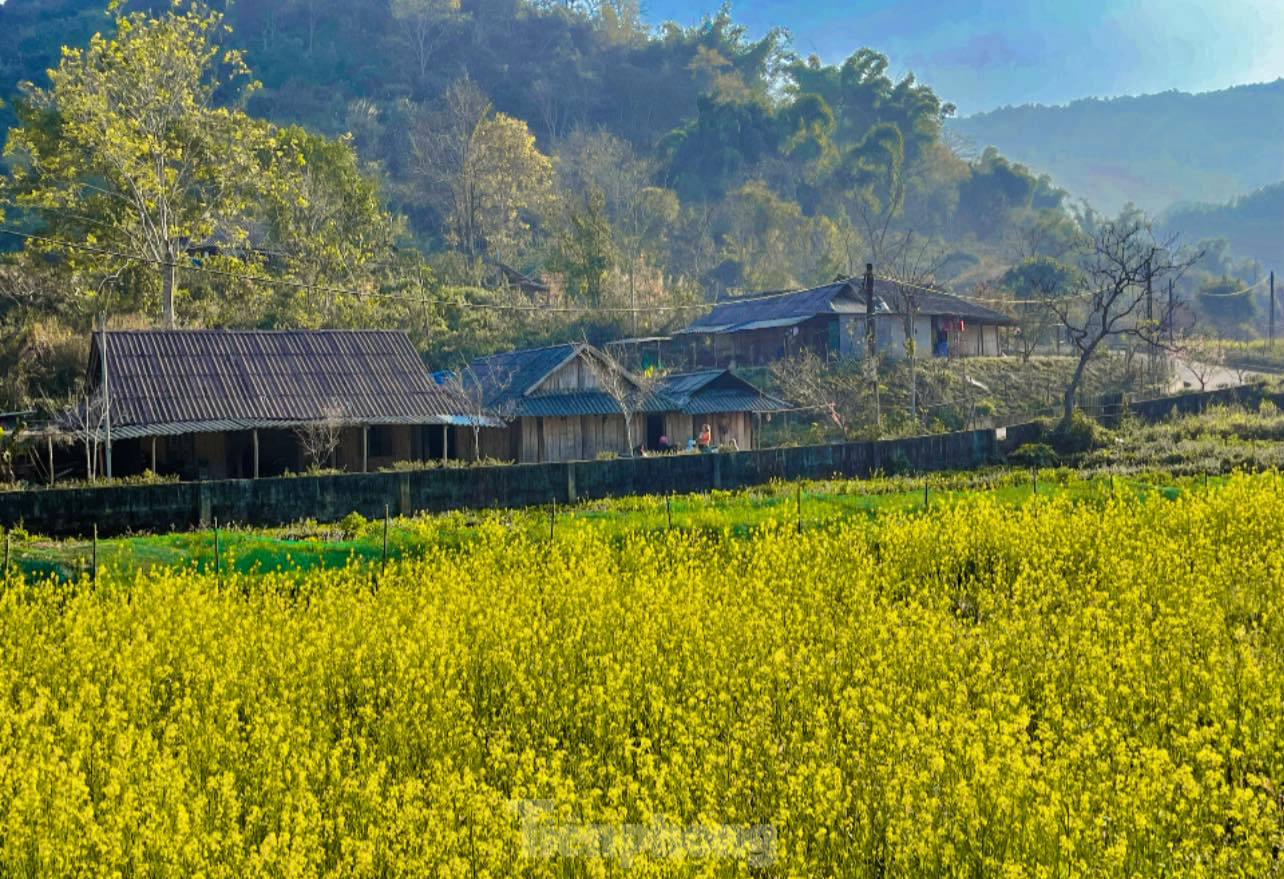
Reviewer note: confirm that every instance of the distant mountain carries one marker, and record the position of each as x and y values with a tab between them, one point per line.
1152	150
1253	224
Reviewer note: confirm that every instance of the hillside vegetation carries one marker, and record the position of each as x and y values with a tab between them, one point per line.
630	167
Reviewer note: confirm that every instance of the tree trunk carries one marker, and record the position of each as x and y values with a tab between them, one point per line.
1067	410
168	271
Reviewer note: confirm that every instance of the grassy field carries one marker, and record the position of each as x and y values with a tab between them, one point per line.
1080	684
1142	460
307	546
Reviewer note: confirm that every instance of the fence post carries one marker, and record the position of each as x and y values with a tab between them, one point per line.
552	517
1034	478
217	565
798	489
383	564
926	482
93	571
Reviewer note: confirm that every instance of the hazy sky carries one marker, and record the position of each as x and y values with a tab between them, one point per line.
982	54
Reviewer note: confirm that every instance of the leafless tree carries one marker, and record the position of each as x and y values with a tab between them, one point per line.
319	438
1120	265
424	24
632	392
1203	358
474	391
84	418
809	383
913	274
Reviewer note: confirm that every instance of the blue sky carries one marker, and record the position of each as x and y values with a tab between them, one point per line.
983	54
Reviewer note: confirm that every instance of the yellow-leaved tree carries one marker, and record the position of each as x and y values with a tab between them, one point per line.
138	149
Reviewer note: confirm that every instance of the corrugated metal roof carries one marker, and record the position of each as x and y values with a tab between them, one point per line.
172	379
783	309
507	376
569	403
732	401
716	390
507	380
231	425
772	311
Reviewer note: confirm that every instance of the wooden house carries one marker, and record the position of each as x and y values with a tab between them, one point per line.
220	404
559	409
759	329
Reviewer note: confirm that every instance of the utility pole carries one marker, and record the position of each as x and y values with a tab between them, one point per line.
871	344
1150	323
870	340
1172	316
102	350
1272	309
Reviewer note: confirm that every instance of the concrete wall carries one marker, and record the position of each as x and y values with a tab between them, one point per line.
264	502
182	506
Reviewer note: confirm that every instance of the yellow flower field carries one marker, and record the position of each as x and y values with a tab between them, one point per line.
1052	690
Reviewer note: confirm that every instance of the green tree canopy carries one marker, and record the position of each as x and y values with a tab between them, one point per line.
134	148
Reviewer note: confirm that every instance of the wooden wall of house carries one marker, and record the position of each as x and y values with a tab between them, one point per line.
977	340
574	438
730	427
574	376
497	444
679	428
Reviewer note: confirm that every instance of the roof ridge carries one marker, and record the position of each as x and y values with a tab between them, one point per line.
149	331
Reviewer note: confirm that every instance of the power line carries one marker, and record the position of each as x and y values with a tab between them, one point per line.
362	294
1240	292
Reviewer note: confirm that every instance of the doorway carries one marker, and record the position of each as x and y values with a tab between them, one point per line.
654	430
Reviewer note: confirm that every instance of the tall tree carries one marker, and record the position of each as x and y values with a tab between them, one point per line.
424	24
326	226
134	148
583	254
482	171
1120	269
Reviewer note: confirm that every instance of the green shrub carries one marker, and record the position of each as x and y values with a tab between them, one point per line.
1074	437
352	525
1039	455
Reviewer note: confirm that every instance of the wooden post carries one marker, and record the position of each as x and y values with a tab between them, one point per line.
154	454
217	565
93	571
798	500
365	448
1034	478
51	461
926	502
445	442
106	399
383	565
254	434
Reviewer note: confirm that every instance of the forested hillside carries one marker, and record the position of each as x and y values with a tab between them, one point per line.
400	162
1152	150
1253	223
